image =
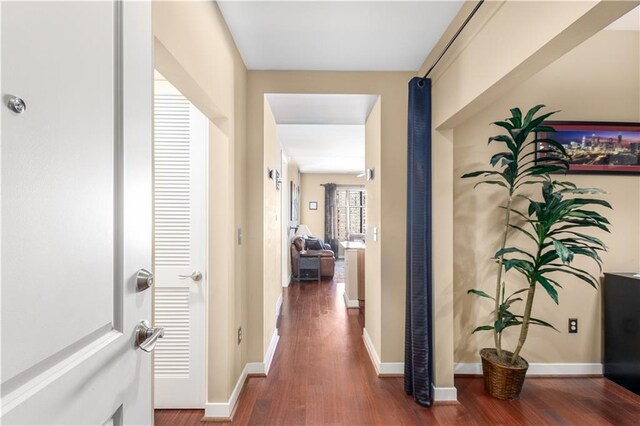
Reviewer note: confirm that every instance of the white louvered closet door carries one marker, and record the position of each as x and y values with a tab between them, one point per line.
180	152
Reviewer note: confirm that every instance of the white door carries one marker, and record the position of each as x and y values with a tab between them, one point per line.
180	213
76	211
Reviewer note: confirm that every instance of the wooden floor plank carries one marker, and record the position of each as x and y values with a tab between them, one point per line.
321	375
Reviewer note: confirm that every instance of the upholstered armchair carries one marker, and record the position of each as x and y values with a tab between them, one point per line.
301	246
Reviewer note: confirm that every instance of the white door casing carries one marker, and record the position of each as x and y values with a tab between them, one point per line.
76	211
286	216
180	236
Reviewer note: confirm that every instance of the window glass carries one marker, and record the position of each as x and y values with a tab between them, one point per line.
351	212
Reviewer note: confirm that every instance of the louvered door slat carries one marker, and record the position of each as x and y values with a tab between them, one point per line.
172	180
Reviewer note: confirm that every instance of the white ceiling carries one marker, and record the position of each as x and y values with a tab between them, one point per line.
628	22
337	35
293	108
324	148
322	133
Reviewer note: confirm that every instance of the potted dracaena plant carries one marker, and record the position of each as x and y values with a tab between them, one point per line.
552	228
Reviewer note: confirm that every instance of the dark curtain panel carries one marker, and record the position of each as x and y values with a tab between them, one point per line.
418	347
330	217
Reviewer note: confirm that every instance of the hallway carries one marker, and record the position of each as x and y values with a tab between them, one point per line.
321	374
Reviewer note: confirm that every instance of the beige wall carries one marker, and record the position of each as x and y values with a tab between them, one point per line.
311	190
272	242
597	81
195	52
392	86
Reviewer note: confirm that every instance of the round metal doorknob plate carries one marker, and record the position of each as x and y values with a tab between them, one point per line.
144	279
17	105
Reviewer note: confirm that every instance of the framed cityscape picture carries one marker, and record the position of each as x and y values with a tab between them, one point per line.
598	147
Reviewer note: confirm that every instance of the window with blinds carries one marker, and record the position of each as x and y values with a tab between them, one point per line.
351	211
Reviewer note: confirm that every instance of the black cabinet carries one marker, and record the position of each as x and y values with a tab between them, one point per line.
622	330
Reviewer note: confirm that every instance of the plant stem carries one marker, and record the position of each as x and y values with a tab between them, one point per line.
497	336
524	329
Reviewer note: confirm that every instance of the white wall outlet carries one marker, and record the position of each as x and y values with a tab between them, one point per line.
239	236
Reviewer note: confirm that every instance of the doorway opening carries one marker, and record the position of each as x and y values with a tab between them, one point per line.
324	144
180	152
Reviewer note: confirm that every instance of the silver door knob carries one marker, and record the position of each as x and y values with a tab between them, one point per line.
17	105
196	276
144	279
146	336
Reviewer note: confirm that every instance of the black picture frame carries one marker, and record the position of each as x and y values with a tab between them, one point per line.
597	147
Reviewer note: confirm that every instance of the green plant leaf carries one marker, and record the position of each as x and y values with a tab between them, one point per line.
501	156
549	288
507	126
532	112
581	191
544	129
507	250
525	232
480	293
482	328
536	321
516	118
586	278
480	173
522	265
522	290
564	253
492	182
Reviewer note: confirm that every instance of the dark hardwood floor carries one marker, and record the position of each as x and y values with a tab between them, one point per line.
321	374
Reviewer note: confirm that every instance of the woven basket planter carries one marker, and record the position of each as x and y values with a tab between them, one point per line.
501	381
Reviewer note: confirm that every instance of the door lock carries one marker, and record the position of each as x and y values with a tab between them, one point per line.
144	279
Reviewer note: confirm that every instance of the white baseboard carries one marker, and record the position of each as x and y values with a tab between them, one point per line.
444	394
278	307
540	369
271	350
224	410
373	355
349	302
288	281
382	368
